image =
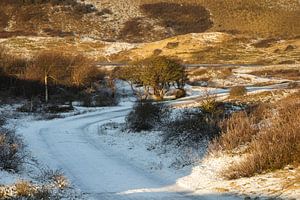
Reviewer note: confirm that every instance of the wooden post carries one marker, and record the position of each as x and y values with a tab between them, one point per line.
46	89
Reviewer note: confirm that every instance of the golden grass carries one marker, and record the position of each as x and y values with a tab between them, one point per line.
271	134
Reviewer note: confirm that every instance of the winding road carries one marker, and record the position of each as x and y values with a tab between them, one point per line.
98	172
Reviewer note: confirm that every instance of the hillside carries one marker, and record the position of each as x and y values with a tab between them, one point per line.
148	20
213	47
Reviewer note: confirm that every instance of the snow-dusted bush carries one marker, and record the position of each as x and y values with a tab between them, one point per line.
2	120
98	100
191	127
12	150
48	185
145	116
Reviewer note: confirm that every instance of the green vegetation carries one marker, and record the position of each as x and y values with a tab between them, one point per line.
146	116
155	74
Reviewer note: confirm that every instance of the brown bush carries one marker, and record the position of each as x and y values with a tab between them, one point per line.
273	143
292	74
61	68
265	43
24	189
172	45
12	150
238	91
157	52
236	131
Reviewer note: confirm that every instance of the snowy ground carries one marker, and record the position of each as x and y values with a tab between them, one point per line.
73	145
106	163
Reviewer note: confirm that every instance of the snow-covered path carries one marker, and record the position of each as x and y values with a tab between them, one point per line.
100	173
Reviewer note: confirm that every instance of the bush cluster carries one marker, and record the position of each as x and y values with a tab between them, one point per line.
67	77
12	150
146	116
191	127
238	91
269	134
52	185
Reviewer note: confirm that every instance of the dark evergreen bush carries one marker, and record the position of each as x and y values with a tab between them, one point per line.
146	116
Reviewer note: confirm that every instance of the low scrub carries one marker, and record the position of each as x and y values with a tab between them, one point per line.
12	150
146	116
292	74
269	136
191	127
238	91
236	131
48	185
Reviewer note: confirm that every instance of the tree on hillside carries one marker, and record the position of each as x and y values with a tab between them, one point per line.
61	69
49	65
156	75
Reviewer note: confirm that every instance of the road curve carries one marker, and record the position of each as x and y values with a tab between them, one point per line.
96	171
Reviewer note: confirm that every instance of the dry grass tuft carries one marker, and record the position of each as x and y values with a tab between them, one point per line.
24	189
237	131
292	74
238	91
273	138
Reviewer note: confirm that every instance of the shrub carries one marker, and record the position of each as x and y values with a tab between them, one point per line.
293	85
24	189
265	43
172	45
236	131
179	93
238	91
145	116
271	137
157	52
155	74
98	100
191	127
44	193
210	104
2	120
55	177
12	150
58	108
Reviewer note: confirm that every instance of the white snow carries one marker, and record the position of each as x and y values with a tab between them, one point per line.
114	48
106	166
106	163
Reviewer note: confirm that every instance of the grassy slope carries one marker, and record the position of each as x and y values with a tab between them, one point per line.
264	18
191	48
